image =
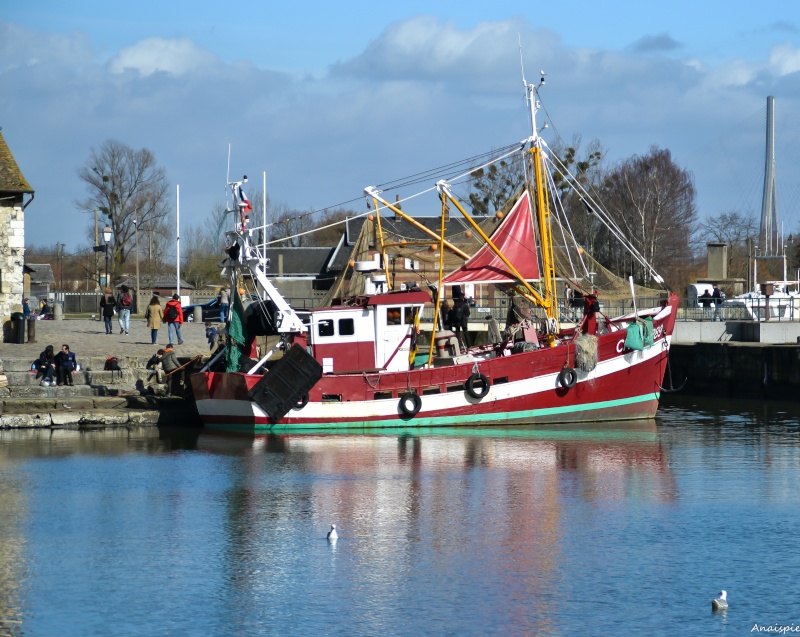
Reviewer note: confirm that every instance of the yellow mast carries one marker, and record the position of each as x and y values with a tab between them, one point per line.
545	237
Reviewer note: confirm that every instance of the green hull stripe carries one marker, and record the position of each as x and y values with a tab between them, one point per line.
438	421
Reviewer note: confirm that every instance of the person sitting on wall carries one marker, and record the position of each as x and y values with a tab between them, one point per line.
170	364
156	366
65	365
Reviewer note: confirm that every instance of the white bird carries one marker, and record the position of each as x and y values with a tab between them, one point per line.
721	602
333	535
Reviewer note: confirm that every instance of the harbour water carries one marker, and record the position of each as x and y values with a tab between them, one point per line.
614	530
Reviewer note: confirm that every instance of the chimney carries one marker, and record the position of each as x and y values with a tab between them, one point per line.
717	261
397	205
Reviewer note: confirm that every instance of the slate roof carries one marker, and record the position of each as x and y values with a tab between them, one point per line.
11	179
41	272
303	261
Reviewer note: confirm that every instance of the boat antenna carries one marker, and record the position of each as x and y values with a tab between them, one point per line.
522	64
228	175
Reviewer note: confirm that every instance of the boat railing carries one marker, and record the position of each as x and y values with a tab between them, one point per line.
689	309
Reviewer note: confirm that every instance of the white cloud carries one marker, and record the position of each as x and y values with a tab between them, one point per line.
784	59
153	55
423	93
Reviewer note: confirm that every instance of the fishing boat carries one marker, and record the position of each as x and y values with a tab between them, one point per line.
355	363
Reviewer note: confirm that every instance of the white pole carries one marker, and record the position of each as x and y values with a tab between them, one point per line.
633	296
178	237
264	216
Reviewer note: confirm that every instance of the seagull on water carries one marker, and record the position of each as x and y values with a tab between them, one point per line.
332	534
721	602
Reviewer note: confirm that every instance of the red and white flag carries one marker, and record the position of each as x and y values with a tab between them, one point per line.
241	199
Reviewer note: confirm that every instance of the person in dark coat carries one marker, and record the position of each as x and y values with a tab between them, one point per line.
46	367
705	300
65	365
107	306
718	297
458	318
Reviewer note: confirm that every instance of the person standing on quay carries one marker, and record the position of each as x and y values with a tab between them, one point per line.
718	297
173	314
224	303
705	301
154	315
26	309
107	305
125	303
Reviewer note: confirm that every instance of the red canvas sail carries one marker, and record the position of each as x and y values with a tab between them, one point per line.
515	240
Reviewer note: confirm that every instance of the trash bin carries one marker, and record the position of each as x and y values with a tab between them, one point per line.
18	320
31	330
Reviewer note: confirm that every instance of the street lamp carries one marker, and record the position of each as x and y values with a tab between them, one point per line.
136	233
791	251
107	238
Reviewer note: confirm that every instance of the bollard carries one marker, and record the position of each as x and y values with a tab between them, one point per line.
31	330
198	314
58	311
18	320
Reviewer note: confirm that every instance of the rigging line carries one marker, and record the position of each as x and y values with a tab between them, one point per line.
302	234
516	149
562	213
434	171
604	216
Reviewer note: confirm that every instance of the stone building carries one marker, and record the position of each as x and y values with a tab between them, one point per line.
13	188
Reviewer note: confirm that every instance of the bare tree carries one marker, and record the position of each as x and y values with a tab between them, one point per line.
739	231
653	201
124	184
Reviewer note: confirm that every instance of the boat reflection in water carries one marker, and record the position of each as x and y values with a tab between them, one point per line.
499	508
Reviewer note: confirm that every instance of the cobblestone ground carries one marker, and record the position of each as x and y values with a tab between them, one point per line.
87	337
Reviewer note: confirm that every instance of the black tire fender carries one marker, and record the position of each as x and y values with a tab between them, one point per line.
301	403
410	404
477	386
567	377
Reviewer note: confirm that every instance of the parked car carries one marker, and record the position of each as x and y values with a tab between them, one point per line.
210	309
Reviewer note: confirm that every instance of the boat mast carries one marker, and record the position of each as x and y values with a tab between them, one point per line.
542	209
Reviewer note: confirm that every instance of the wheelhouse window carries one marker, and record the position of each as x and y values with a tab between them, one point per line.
325	328
347	327
394	316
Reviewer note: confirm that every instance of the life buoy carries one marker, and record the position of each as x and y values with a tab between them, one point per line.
301	403
410	404
483	386
567	377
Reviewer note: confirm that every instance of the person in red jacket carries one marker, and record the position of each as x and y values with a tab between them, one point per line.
173	315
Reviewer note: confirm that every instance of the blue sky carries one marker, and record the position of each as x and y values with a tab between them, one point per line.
331	97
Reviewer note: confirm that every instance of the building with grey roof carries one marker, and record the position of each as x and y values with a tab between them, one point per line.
13	188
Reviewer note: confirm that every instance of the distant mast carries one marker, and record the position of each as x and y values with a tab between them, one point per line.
769	233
